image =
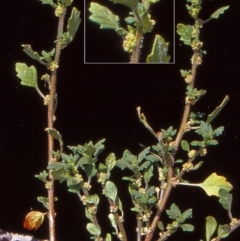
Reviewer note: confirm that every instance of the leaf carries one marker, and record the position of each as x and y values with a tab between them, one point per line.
103	16
93	199
129	3
185	145
47	2
218	12
111	190
34	55
174	212
111	161
113	222
93	229
74	22
160	226
159	51
223	230
108	237
28	75
211	226
54	133
187	227
214	183
225	199
88	214
185	32
213	115
33	220
148	173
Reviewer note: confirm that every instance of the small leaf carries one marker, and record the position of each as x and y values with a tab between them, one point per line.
28	75
213	115
211	226
159	51
88	214
108	237
74	22
187	227
111	190
185	32
218	12
103	16
111	161
47	2
93	229
32	54
148	173
33	220
113	222
185	145
93	199
129	3
54	133
225	199
214	183
223	230
160	226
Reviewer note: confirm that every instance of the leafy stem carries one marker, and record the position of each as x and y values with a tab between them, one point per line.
51	110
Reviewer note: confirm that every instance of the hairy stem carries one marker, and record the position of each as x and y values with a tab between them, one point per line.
139	35
161	206
51	110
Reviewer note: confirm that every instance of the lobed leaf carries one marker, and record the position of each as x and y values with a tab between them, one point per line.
103	16
214	183
218	12
28	75
33	220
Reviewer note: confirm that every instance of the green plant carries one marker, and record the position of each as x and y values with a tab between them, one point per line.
139	23
152	174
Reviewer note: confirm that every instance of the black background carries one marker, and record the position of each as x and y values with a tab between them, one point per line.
99	101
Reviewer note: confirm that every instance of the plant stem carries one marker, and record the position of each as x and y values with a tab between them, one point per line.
162	205
139	35
51	110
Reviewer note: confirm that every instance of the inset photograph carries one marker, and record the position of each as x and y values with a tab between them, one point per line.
129	31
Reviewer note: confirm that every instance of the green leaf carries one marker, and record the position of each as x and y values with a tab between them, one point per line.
34	55
93	199
225	199
218	12
47	2
160	226
119	204
148	173
213	115
159	51
111	161
44	201
174	212
73	22
103	16
223	230
42	176
211	226
28	75
54	133
185	32
111	190
214	183
108	237
129	3
113	222
187	214
187	227
88	214
93	229
185	145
